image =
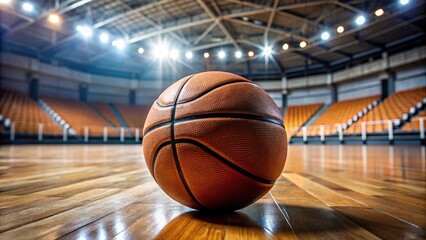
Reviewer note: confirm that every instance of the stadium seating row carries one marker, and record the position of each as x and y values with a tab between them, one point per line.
349	115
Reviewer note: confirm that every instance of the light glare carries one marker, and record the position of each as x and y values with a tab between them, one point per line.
27	7
54	18
174	54
206	55
104	37
303	44
379	12
267	51
141	50
360	20
250	53
404	2
286	46
222	54
238	54
188	55
325	36
340	29
119	43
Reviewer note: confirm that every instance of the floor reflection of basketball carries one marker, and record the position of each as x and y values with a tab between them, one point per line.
215	141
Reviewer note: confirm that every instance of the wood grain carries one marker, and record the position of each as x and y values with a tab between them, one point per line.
106	192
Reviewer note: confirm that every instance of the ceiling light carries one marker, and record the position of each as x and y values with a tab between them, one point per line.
360	20
286	46
222	54
104	37
245	19
379	12
54	18
250	53
141	50
160	51
267	51
6	2
27	7
303	44
404	2
86	31
238	54
188	55
340	29
325	35
118	43
174	54
206	55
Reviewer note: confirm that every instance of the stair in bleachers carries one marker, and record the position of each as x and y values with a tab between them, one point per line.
55	116
118	115
102	116
316	115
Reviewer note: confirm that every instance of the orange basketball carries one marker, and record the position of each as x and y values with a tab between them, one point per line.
215	141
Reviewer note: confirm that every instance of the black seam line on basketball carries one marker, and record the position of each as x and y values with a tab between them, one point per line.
218	115
203	93
225	161
174	150
155	157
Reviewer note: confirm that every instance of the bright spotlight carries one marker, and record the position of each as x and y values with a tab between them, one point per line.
325	36
118	43
6	2
141	50
238	54
360	20
267	51
404	2
86	31
303	44
340	29
54	18
104	37
286	46
188	55
161	51
250	53
379	12
222	54
27	7
206	55
174	54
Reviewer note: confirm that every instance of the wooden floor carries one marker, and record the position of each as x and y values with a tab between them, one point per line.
104	192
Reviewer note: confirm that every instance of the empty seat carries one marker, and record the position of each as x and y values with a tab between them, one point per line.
391	108
296	116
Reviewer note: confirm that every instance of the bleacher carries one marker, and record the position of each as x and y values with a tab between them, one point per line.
340	113
297	115
26	116
134	115
392	108
105	110
414	124
79	115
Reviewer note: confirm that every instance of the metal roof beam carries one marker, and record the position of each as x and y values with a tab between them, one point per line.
271	19
61	9
308	56
220	24
106	22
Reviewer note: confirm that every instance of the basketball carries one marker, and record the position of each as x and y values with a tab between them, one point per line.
215	141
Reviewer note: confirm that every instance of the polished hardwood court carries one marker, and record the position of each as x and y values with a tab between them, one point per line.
106	192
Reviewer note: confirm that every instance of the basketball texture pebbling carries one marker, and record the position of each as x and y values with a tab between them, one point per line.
215	141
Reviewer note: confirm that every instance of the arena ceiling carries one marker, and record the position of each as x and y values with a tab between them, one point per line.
165	30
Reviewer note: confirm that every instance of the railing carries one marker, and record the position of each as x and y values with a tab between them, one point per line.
43	130
341	130
362	129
